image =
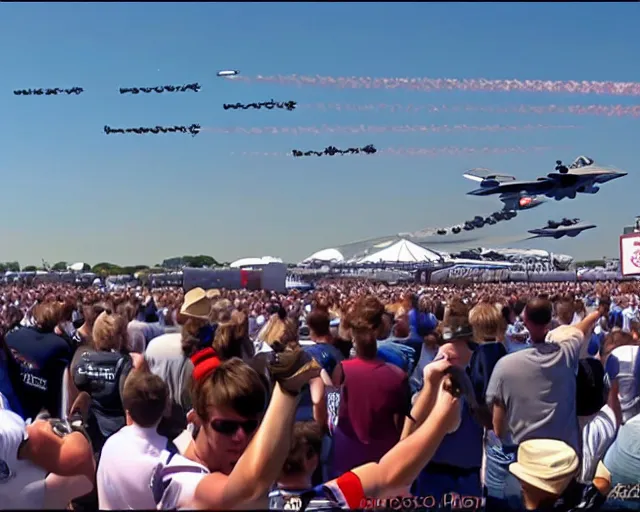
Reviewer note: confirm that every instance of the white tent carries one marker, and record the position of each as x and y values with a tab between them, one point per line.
403	251
248	262
76	267
326	255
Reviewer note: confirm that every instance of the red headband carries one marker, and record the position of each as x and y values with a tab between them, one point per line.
204	362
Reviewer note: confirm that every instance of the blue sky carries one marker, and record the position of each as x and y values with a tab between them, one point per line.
72	193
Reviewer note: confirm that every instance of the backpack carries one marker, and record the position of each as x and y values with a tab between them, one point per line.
102	375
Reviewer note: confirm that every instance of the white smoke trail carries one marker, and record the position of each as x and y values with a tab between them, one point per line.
452	84
373	129
582	110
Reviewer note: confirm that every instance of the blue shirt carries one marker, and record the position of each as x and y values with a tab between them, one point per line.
326	355
8	398
397	354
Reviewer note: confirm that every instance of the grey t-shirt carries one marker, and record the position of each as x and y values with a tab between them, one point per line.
166	360
537	385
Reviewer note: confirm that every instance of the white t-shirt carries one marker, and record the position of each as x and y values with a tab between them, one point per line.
22	484
127	462
175	481
629	314
628	357
597	435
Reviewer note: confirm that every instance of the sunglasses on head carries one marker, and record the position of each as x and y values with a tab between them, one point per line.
230	427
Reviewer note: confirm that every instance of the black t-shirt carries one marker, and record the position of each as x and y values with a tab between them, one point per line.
102	374
43	359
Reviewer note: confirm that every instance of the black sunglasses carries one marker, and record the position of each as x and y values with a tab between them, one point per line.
230	427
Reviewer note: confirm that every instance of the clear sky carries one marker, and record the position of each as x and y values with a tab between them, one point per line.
72	193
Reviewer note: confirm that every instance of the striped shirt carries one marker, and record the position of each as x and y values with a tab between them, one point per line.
281	499
343	493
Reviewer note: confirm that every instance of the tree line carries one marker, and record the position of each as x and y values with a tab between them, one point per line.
110	269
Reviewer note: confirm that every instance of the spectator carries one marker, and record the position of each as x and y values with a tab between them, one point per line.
46	470
101	372
532	392
43	357
456	465
545	469
123	483
219	469
375	394
301	463
622	460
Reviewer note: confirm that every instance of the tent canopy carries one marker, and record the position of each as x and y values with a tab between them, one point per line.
403	251
326	255
248	262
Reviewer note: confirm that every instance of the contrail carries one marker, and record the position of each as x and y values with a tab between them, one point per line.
424	152
454	84
582	110
373	129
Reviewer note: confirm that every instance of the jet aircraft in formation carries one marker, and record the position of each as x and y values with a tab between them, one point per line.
582	177
566	227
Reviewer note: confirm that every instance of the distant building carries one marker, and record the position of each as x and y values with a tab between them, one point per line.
632	229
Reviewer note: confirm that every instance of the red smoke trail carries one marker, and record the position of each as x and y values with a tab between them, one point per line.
594	110
453	84
428	152
371	129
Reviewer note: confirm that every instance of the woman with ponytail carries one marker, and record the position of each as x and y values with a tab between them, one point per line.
375	394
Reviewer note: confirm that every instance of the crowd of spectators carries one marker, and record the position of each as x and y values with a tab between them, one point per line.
354	395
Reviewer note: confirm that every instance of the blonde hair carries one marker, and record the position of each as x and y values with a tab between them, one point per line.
487	323
273	330
110	332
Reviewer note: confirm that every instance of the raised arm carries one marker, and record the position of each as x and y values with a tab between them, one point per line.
402	464
319	401
587	324
432	375
70	455
262	462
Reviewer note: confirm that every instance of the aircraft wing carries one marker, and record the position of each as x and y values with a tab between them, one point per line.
568	179
480	175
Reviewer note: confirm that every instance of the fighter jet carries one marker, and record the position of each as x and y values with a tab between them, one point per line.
582	177
566	227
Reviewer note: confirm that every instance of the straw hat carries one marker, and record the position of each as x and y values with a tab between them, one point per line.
547	464
196	304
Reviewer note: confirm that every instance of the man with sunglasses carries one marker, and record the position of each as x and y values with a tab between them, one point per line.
237	449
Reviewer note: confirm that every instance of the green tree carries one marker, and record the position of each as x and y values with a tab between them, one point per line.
12	266
86	267
199	261
29	268
190	261
61	266
130	270
106	269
